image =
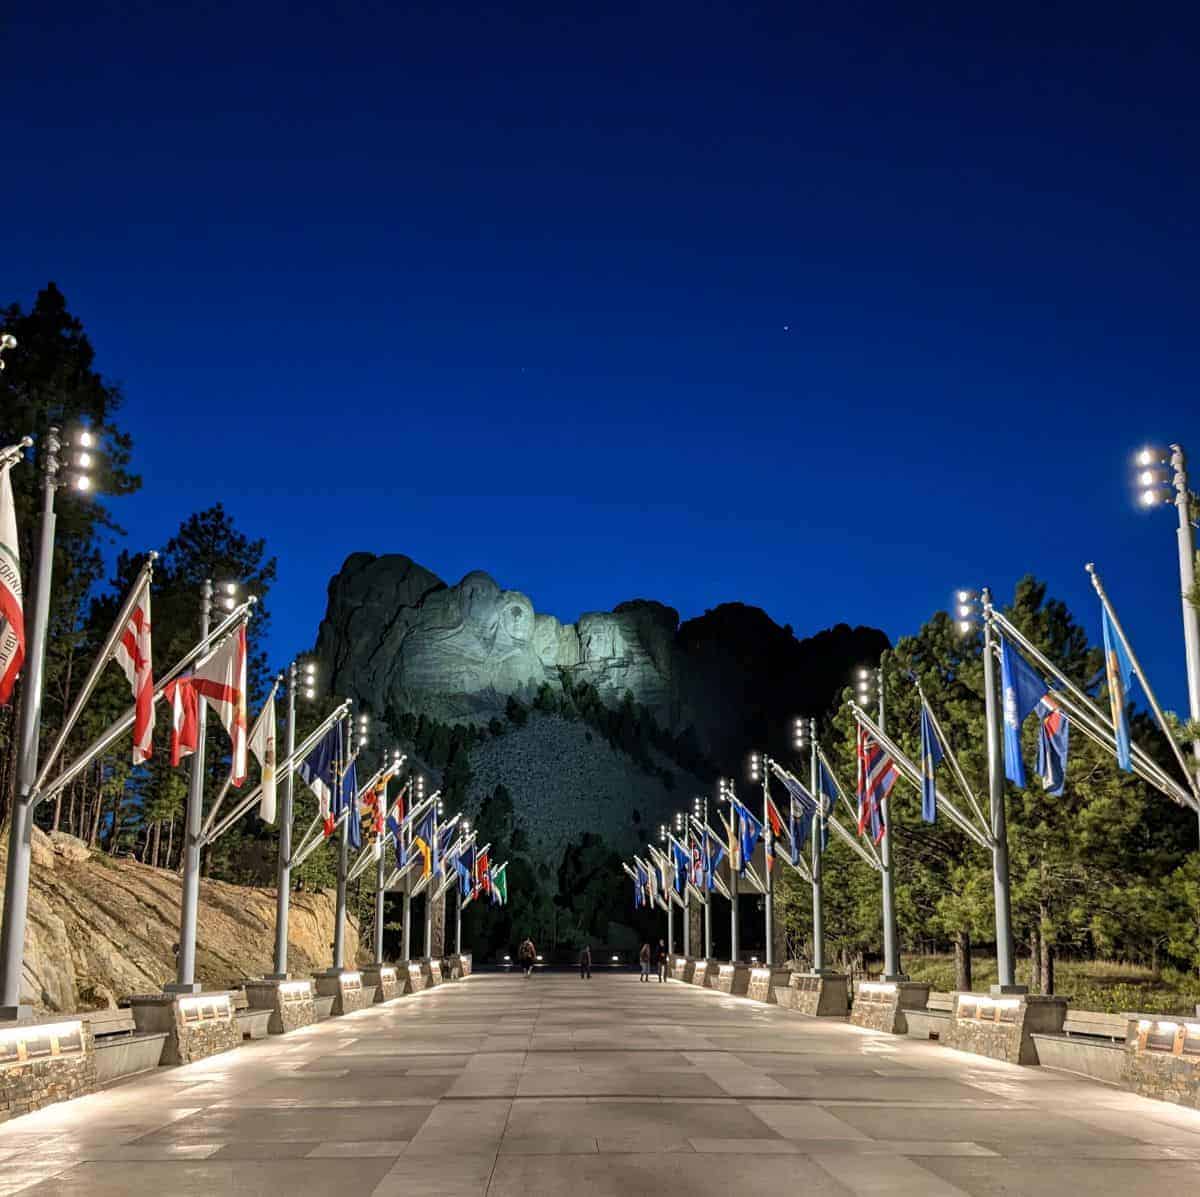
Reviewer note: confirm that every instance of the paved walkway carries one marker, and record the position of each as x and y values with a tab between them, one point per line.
505	1086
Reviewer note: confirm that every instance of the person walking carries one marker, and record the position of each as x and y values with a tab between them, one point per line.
585	963
644	960
527	954
663	960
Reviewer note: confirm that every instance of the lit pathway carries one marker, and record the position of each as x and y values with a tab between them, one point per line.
505	1086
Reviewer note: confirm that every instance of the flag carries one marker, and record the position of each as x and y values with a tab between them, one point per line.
642	885
220	679
775	819
423	841
931	757
444	836
682	865
876	776
698	871
500	884
801	811
1053	733
185	717
829	793
348	802
262	744
133	655
483	872
318	770
1119	671
373	804
12	614
466	871
1022	689
714	854
393	825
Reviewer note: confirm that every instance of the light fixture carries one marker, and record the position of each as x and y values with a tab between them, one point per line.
83	482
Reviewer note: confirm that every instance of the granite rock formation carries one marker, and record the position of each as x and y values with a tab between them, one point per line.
397	637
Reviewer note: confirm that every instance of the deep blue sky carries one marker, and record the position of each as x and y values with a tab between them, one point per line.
827	308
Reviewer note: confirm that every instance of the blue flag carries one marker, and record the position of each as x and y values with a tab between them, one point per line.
424	842
931	757
642	883
748	830
1119	671
393	825
1053	734
318	771
681	866
829	794
349	803
465	864
802	811
1021	689
714	853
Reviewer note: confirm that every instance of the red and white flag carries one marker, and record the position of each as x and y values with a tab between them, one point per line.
262	744
220	679
12	616
185	723
133	655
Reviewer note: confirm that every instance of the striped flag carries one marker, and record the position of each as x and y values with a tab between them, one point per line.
876	775
133	655
220	679
12	616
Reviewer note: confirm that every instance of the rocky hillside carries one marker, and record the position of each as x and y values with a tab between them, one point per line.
400	639
100	929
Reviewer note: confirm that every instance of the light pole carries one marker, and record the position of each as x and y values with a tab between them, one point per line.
664	839
804	739
416	795
429	889
725	793
1156	485
381	866
759	771
189	906
870	685
458	905
302	678
56	472
966	616
347	799
700	814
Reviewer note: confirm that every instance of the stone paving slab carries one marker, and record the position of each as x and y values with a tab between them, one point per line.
503	1085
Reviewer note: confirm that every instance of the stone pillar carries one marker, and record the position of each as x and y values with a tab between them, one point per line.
695	945
386	980
1003	1027
880	1005
290	1002
767	983
733	979
346	989
197	1025
826	996
437	947
44	1061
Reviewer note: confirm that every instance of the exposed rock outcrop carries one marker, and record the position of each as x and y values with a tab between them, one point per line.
100	929
397	637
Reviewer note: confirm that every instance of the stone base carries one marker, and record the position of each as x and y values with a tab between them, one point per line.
704	973
466	963
346	989
43	1062
290	1003
1003	1027
197	1025
817	996
733	979
683	968
450	969
765	983
432	971
387	981
416	975
880	1005
1162	1059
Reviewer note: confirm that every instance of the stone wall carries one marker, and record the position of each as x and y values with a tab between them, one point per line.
818	997
197	1026
30	1080
1002	1027
733	979
766	982
880	1005
290	1002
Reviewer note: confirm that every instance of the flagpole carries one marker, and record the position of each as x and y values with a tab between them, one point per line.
283	872
343	858
20	828
1005	955
815	855
891	933
185	975
429	897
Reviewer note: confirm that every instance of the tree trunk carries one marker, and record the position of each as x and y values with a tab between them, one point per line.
170	842
1035	960
962	961
1047	965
